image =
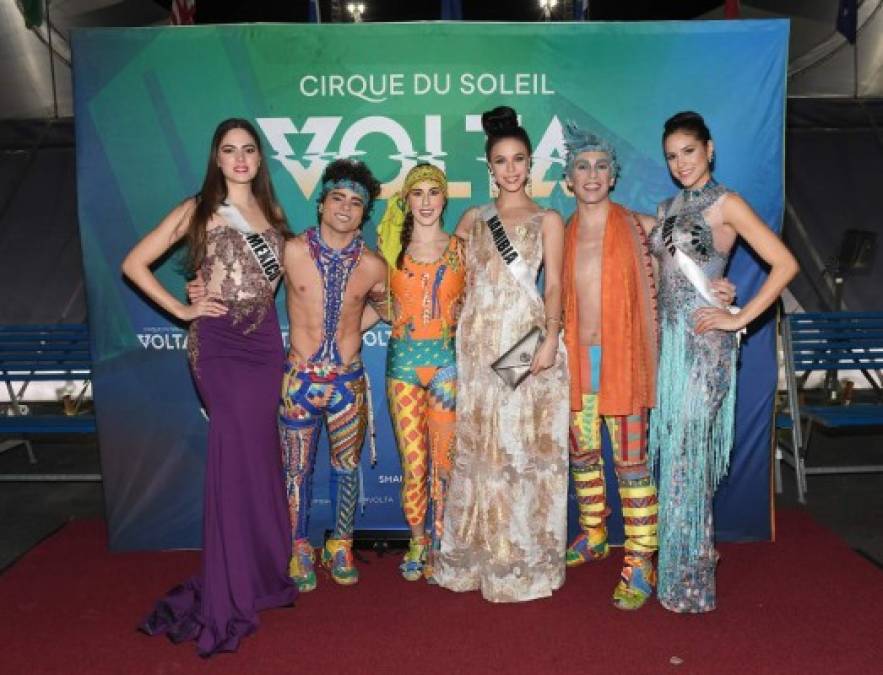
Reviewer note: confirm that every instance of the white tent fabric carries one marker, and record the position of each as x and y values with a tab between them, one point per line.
24	54
821	61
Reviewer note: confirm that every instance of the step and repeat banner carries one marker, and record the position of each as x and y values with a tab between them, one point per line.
148	99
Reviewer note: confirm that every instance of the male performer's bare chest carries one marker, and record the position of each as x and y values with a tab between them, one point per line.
308	300
587	278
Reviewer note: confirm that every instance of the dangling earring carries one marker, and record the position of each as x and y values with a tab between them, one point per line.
528	186
493	188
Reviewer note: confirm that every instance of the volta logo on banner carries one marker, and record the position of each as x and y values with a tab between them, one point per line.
330	139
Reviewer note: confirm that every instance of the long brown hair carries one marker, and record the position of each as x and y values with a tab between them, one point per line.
214	192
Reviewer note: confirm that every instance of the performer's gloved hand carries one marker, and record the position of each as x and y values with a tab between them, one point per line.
724	290
546	354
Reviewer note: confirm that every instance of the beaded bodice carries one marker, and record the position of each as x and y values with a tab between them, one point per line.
230	269
685	222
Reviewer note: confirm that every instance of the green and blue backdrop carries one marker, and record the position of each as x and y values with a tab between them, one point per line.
148	99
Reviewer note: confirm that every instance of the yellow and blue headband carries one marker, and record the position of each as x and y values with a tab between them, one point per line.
423	172
346	184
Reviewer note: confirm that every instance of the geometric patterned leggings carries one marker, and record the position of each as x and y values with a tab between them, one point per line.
422	403
628	437
313	393
423	421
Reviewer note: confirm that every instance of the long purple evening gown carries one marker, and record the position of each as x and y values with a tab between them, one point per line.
237	364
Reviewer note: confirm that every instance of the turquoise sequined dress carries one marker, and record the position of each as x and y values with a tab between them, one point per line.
691	428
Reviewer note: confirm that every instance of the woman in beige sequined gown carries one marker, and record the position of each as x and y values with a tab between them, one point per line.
506	520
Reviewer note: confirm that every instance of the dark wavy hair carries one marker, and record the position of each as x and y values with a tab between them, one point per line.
357	172
687	122
502	123
214	191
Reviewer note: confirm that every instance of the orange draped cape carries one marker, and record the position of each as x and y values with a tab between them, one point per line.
628	316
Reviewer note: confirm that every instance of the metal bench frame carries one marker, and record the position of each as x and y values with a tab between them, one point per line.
828	341
31	353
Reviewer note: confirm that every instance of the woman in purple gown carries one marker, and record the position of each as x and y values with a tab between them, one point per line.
235	232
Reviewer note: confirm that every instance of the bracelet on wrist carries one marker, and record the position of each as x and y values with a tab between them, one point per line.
553	323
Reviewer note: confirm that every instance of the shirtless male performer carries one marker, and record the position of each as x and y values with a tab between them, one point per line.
611	337
330	275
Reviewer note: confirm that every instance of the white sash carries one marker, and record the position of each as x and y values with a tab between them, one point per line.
263	252
514	262
689	267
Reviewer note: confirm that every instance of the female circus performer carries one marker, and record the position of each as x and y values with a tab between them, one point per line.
505	518
426	286
691	428
235	231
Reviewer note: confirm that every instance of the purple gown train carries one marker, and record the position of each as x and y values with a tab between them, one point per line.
237	364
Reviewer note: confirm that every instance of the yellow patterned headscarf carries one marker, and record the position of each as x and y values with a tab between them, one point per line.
389	229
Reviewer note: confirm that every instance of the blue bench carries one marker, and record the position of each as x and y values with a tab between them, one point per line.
43	353
828	341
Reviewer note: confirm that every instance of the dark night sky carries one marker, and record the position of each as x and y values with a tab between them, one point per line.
227	11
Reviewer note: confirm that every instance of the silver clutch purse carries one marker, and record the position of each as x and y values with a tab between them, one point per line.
514	365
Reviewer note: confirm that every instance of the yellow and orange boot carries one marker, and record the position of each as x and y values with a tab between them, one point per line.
588	546
639	512
591	543
636	583
414	563
300	567
337	556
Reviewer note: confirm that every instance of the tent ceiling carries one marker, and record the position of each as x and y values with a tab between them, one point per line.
822	63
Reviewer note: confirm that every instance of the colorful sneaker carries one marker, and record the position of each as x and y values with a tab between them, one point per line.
337	556
300	568
583	549
414	562
635	584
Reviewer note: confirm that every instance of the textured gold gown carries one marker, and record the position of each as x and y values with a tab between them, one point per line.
506	520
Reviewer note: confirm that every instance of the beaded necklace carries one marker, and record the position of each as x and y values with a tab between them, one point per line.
690	195
335	267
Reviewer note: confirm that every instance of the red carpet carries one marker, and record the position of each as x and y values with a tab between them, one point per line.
806	604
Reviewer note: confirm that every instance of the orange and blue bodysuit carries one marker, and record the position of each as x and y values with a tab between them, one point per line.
421	382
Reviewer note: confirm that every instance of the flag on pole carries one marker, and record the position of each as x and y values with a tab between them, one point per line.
580	10
731	9
315	13
183	13
451	10
847	19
